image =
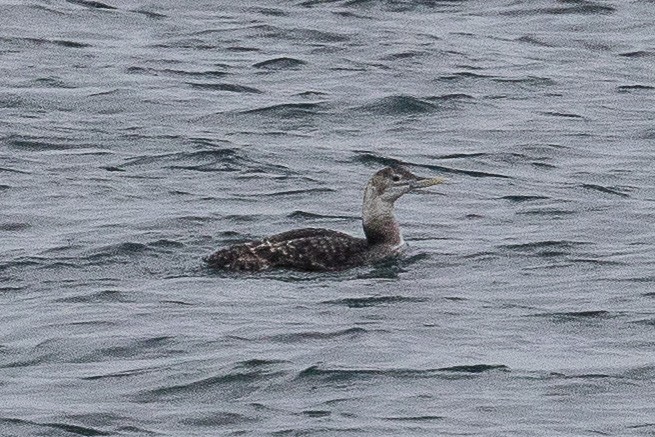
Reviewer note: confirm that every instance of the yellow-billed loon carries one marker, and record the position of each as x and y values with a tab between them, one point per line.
314	249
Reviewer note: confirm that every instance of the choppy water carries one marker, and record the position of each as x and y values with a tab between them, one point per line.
136	137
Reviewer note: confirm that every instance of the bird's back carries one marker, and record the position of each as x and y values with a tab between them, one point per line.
308	249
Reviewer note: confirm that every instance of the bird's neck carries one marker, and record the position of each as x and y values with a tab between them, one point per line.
380	225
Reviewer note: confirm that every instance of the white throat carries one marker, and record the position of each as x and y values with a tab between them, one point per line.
374	207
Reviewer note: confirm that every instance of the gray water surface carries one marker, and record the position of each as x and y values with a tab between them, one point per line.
137	137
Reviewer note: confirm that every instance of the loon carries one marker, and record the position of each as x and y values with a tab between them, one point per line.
313	249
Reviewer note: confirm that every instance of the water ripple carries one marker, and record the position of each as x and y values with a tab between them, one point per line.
280	64
137	137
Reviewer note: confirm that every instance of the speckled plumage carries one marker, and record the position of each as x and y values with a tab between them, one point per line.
313	249
310	249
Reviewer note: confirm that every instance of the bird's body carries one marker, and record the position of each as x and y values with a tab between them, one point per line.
313	249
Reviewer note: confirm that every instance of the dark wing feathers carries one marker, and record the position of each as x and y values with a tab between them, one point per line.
303	249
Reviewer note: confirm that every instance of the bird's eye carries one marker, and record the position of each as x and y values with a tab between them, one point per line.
395	178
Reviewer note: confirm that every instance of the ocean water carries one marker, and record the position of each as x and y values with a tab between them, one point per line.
137	137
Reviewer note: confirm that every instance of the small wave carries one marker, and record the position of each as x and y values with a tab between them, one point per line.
472	173
591	376
302	34
294	192
271	12
225	87
462	155
553	212
643	425
175	302
314	372
120	249
242	49
543	165
310	94
641	373
523	198
603	189
572	316
42	41
131	250
121	374
132	349
67	43
34	144
150	14
280	64
310	3
532	81
14	226
598	262
112	168
219	159
303	215
200	168
398	105
475	368
51	427
103	296
455	298
557	375
4	289
313	335
362	302
340	375
647	322
368	158
287	110
10	101
230	385
317	413
306	215
629	88
410	54
562	114
22	262
584	8
92	4
217	419
255	362
185	43
318	36
51	82
463	75
171	72
105	93
206	73
450	97
545	247
209	142
207	154
166	244
13	170
531	39
414	418
638	54
391	6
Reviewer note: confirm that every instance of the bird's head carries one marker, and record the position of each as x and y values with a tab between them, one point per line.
390	183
